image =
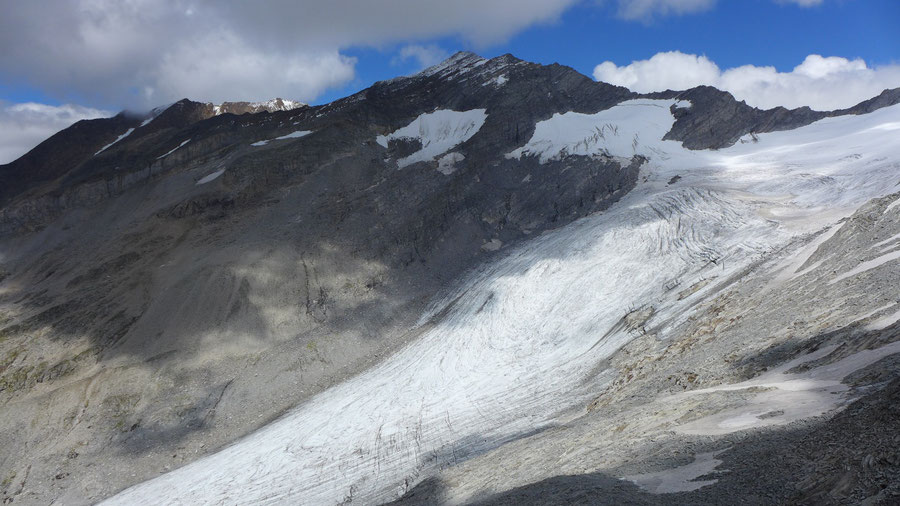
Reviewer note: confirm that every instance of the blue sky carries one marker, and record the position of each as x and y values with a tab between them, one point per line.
732	33
64	60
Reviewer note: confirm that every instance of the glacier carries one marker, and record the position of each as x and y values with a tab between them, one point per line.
515	346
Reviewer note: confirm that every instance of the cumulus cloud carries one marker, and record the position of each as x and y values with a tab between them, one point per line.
141	53
649	9
823	83
23	126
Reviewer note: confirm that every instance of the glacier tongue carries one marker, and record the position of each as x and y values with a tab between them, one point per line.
516	344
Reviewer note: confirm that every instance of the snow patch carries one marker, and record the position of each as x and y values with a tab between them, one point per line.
891	239
459	64
211	177
292	135
884	322
492	245
892	205
438	131
788	397
279	104
173	149
126	134
867	265
498	81
447	163
789	268
155	114
679	479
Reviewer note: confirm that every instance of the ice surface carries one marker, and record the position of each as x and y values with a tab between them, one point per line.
438	131
510	347
126	134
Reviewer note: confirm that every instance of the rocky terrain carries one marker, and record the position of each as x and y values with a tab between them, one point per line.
491	282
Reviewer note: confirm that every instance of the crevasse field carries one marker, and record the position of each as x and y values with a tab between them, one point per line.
518	345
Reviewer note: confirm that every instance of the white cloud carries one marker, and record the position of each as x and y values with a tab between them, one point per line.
823	83
425	56
23	126
648	9
140	53
220	67
671	70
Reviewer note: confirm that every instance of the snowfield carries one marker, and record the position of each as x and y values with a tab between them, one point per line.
438	131
613	132
516	346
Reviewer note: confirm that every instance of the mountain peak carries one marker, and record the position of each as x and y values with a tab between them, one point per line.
271	105
461	61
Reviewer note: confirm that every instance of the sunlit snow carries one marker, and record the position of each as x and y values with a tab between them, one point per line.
438	131
630	128
119	138
173	149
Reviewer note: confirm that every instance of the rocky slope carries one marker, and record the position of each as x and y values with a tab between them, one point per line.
493	281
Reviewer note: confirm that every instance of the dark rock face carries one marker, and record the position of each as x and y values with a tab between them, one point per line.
716	120
66	170
59	154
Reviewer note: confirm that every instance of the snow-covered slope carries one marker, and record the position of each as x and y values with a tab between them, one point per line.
438	132
511	348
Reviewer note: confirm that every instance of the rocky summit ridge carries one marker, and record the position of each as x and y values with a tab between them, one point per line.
492	281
